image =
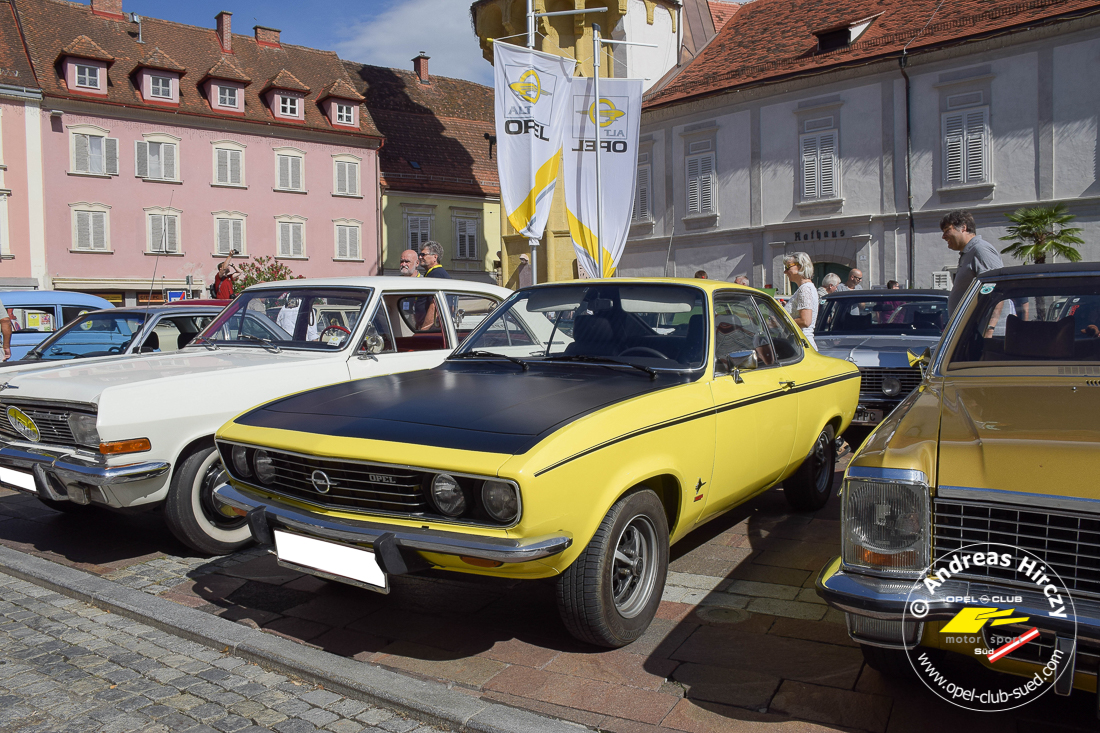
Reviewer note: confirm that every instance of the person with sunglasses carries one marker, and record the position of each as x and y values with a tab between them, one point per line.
854	282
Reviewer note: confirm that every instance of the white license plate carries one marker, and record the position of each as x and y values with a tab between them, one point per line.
328	557
867	417
21	479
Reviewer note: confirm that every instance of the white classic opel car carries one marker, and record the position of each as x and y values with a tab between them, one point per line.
137	433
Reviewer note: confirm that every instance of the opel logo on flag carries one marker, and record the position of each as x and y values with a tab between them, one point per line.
321	482
608	112
529	87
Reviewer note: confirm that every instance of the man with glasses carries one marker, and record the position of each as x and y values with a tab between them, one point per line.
855	281
430	255
409	262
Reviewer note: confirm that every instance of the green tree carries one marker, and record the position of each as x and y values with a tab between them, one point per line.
1039	231
262	269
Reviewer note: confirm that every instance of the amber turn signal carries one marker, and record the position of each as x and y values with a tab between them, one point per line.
137	445
480	562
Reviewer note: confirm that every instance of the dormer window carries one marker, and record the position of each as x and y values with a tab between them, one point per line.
87	76
830	39
227	96
343	114
288	106
161	86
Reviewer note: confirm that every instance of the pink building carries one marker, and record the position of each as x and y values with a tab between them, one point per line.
165	146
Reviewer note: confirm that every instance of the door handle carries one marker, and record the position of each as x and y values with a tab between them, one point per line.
789	384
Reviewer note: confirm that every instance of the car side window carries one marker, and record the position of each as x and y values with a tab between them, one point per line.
787	344
737	328
468	311
379	336
70	313
416	322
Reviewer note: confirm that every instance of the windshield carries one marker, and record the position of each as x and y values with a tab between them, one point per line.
658	326
93	334
301	318
896	315
1045	321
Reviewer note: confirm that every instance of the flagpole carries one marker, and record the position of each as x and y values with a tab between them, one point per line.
532	243
596	48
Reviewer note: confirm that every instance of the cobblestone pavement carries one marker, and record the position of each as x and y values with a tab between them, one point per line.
741	641
67	666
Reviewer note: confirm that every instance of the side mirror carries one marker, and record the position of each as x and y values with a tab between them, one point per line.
737	361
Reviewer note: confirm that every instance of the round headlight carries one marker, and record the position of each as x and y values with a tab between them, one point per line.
447	495
240	461
265	471
500	501
891	386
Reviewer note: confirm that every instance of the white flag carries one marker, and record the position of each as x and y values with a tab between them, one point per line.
619	114
532	108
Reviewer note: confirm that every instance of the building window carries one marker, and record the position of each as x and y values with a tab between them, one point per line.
161	86
289	171
87	76
227	97
163	233
820	166
230	233
292	241
228	167
641	195
347	242
90	231
466	238
94	153
966	146
700	184
343	114
156	160
418	230
288	106
347	178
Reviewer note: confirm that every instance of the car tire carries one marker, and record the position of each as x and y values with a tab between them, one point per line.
189	510
66	507
610	594
894	662
808	489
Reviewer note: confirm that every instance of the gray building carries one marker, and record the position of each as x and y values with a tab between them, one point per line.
847	131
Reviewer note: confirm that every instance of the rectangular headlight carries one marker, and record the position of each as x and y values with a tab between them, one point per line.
885	527
84	429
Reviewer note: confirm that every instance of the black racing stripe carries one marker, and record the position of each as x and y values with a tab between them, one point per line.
701	413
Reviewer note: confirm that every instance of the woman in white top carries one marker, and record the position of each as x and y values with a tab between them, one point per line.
803	304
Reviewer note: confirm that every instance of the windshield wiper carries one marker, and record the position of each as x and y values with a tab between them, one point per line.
483	354
606	361
267	344
210	345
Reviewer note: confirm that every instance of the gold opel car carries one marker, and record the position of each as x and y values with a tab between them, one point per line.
971	516
577	432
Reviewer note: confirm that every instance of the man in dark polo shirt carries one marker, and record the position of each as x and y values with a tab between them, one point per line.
975	254
430	255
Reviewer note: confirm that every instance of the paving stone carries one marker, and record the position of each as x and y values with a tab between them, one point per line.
790	609
319	717
321	698
834	707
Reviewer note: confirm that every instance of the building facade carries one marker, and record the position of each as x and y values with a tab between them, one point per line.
164	147
438	170
849	134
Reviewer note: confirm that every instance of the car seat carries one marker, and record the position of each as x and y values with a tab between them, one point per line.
692	351
1038	339
592	335
185	338
152	343
928	321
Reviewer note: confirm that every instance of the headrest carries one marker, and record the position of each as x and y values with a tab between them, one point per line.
593	329
1039	339
152	342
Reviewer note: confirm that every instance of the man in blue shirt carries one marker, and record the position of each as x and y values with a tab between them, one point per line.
430	254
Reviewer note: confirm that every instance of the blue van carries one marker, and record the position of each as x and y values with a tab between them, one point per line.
35	314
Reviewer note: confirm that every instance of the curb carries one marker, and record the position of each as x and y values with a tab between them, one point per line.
429	702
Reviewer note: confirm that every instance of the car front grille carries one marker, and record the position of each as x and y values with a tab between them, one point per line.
1068	542
871	381
352	486
52	422
1040	649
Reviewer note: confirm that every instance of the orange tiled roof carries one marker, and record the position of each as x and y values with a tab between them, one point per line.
85	48
226	69
342	89
285	80
158	59
13	58
770	39
721	12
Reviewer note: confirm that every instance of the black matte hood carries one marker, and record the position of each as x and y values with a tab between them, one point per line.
494	407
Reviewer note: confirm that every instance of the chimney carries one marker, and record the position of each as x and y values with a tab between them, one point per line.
225	33
109	8
267	36
420	66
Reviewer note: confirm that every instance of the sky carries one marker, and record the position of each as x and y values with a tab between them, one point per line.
378	32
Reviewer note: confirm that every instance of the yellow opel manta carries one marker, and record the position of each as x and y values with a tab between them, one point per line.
578	431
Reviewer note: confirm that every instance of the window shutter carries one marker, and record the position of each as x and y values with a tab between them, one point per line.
99	230
156	233
954	155
141	159
284	239
341	177
641	194
225	236
342	242
810	168
168	161
693	185
171	227
80	153
296	173
111	151
296	240
706	183
975	146
353	242
235	167
83	230
238	235
223	165
284	171
353	178
827	188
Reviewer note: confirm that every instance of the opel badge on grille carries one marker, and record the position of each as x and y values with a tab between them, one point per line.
321	482
23	424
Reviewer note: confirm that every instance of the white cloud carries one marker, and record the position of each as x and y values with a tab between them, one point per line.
440	28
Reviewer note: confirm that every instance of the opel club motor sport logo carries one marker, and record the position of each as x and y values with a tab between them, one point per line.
1001	626
524	109
611	116
23	424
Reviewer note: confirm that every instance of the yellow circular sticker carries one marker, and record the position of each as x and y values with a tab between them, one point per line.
23	424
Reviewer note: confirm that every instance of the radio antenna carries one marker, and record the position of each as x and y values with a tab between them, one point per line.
156	258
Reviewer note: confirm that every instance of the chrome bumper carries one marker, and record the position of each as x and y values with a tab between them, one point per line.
886	599
62	474
348	531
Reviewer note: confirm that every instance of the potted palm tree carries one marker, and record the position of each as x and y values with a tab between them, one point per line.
1042	230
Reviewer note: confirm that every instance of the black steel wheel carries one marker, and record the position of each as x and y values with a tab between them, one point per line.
808	488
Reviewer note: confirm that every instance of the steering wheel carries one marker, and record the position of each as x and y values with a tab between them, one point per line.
342	333
115	350
644	350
